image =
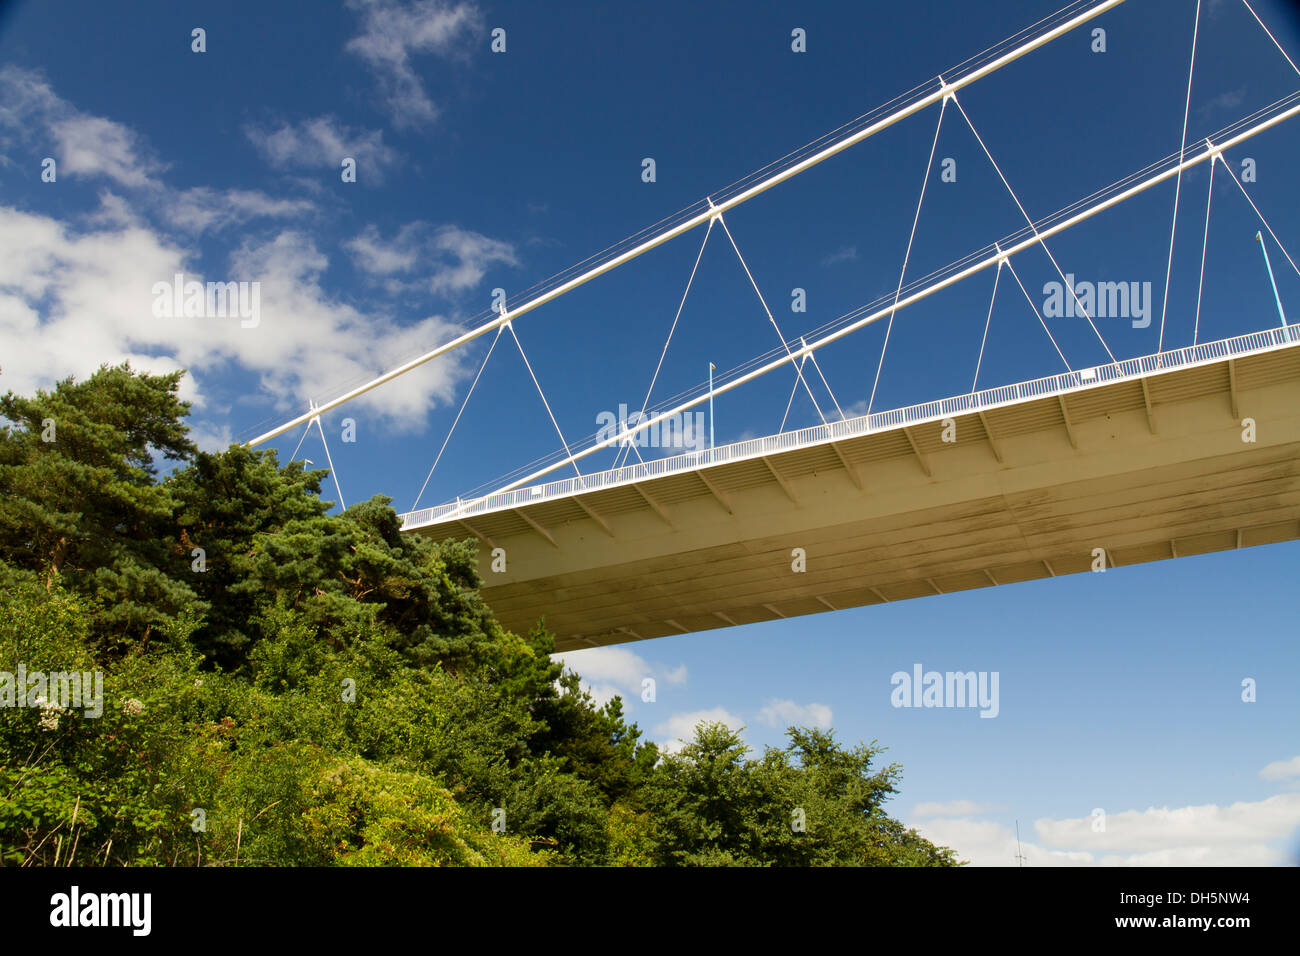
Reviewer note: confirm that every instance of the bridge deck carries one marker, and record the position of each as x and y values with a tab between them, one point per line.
1144	459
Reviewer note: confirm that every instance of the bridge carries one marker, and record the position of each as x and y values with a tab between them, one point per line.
1137	461
1182	452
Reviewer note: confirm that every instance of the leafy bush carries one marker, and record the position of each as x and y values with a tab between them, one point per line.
282	686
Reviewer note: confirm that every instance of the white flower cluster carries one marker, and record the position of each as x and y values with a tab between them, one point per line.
132	707
50	713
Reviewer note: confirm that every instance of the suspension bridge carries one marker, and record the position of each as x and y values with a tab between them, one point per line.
1185	451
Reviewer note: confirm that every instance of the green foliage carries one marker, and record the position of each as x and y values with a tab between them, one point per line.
285	686
814	803
364	815
86	504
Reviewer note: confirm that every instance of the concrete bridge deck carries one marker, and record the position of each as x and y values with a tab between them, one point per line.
1144	459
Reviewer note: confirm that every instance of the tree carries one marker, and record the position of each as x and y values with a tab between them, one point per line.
813	803
78	496
289	686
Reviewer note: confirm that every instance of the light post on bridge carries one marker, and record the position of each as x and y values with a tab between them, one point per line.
711	368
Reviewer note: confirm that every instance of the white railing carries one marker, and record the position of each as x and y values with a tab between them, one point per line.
1205	353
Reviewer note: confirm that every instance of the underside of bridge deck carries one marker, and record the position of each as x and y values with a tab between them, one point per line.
1141	470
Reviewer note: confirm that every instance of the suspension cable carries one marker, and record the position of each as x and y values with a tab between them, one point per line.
673	328
1178	183
1033	227
902	273
1033	305
798	368
333	471
1037	238
997	276
527	365
1261	217
456	422
1270	36
1205	242
702	217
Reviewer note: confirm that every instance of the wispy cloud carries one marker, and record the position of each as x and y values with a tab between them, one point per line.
202	208
443	260
95	148
392	32
1225	101
785	713
847	254
322	142
85	145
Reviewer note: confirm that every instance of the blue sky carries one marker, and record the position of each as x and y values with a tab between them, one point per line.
479	170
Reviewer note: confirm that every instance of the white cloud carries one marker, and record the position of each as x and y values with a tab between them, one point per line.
392	32
1282	769
97	147
76	293
381	257
1162	828
1228	100
442	260
677	675
201	208
680	728
93	145
783	713
211	437
466	256
609	672
847	254
86	145
322	142
1240	834
986	843
309	341
71	299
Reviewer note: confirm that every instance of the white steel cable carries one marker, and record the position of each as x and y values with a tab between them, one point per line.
902	273
779	334
1034	305
456	422
1227	167
527	365
700	218
997	276
1205	241
1049	225
1038	237
1033	227
1270	36
1064	11
333	471
794	388
673	328
1178	183
300	441
822	376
